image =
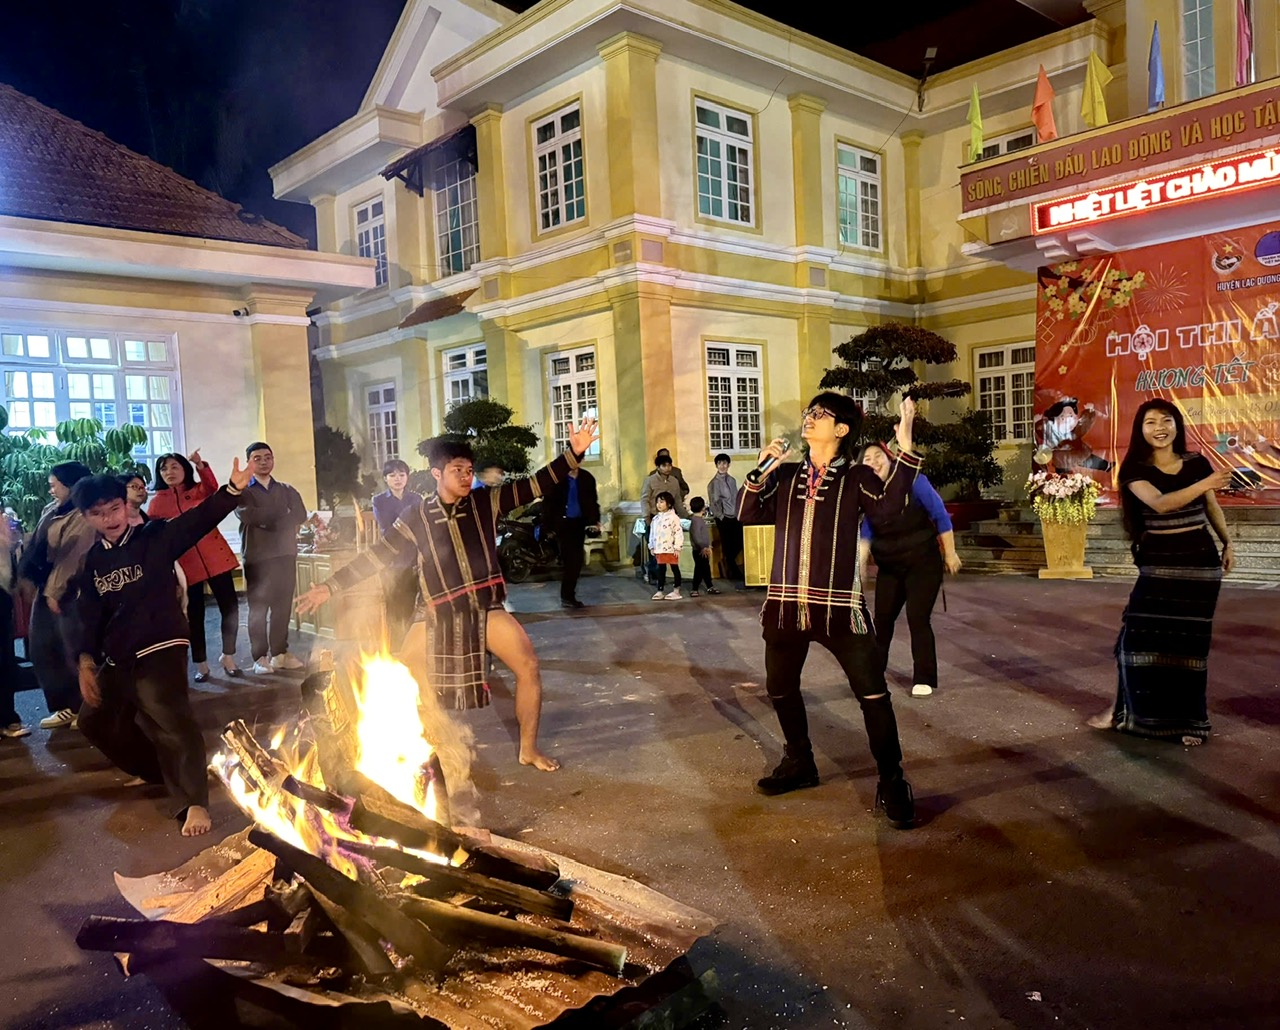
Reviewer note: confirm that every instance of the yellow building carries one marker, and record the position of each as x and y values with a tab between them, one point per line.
673	210
129	294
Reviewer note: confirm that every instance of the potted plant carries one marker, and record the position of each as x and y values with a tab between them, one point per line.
1065	506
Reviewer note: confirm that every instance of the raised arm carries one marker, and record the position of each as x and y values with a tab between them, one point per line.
182	533
758	498
395	550
1151	496
519	492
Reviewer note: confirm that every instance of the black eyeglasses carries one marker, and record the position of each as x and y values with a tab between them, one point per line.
816	413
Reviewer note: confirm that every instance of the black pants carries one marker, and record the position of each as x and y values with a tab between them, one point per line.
572	535
662	576
8	661
701	570
270	583
859	657
730	547
914	583
54	666
146	727
223	588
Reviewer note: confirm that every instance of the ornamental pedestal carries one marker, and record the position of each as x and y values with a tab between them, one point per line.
1064	551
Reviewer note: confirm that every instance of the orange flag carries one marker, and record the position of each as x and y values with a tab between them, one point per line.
1042	110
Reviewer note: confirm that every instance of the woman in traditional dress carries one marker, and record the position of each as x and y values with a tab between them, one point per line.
1162	653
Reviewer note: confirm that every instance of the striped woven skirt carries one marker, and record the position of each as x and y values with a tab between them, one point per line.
1163	649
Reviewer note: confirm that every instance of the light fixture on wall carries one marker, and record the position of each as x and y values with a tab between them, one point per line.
930	55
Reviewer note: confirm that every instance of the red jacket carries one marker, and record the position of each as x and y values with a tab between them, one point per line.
212	556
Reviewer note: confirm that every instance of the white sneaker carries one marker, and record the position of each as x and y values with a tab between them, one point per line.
921	690
658	596
262	666
61	720
286	661
15	729
674	595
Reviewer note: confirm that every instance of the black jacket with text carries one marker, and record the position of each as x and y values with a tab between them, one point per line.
127	604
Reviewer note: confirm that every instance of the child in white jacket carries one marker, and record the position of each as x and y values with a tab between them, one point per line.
666	537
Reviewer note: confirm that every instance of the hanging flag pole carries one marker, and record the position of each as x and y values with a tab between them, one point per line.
1155	72
1093	104
975	126
1042	109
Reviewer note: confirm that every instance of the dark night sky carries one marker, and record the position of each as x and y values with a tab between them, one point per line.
222	89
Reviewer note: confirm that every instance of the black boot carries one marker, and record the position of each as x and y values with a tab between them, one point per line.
897	801
792	774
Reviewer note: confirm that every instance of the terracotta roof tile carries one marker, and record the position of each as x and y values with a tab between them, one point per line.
437	308
56	169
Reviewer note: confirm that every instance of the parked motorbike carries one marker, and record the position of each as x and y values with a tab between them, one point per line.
523	548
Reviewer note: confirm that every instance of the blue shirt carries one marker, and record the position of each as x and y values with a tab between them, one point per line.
386	508
922	493
572	509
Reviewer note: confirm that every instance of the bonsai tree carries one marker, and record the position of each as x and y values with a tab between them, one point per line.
486	425
337	465
880	363
27	457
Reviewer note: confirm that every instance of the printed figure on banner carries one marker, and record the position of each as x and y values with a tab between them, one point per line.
1060	437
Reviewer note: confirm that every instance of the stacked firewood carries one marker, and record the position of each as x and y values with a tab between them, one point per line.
394	897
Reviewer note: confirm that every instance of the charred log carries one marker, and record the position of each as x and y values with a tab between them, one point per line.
208	939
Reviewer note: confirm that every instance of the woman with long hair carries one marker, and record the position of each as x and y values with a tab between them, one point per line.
210	561
1167	496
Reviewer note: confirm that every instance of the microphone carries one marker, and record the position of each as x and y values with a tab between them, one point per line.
767	465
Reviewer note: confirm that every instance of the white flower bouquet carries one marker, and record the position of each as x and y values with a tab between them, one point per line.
1066	500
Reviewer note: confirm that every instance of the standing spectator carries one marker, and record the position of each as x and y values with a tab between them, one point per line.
722	499
700	536
211	561
400	584
567	511
663	479
666	538
271	516
675	471
53	559
10	724
135	488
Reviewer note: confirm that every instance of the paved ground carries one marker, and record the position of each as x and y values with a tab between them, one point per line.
1062	877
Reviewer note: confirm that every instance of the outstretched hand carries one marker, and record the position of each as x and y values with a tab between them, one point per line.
584	435
312	599
904	425
239	477
195	459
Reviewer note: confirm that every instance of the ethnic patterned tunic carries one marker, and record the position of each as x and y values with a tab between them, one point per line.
815	583
454	548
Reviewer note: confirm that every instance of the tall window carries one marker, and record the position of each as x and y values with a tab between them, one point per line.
1006	378
1197	48
457	219
724	163
859	191
466	375
734	397
116	378
384	428
371	238
572	377
562	183
1010	143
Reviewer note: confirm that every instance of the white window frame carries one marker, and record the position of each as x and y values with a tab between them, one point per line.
1009	143
371	236
859	197
466	374
559	169
716	149
457	219
1005	387
734	383
96	381
573	393
382	417
1196	19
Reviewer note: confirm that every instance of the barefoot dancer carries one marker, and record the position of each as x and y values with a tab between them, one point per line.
1163	649
450	536
131	638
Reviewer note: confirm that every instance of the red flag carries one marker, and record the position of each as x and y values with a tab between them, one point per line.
1244	44
1042	109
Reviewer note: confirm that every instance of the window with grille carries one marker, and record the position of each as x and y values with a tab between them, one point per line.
1006	382
858	174
1010	143
384	427
1197	49
116	378
734	398
724	163
571	376
457	219
466	375
371	238
560	173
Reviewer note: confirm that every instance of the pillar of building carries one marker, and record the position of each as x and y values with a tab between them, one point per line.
645	370
491	190
504	354
631	98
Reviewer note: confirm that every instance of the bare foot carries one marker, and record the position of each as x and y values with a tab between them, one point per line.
540	761
197	822
1190	741
134	781
1103	720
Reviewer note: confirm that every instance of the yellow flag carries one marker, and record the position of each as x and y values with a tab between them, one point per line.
975	126
1093	105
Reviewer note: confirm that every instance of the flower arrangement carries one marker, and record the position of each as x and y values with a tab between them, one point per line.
1073	285
1065	500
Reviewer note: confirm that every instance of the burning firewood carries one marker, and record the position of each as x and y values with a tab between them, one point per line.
209	938
367	954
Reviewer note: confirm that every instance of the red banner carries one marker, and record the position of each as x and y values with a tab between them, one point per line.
1196	322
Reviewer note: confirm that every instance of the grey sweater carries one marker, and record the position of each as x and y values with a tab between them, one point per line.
699	532
270	519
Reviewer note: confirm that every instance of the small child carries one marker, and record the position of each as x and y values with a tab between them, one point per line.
700	535
666	537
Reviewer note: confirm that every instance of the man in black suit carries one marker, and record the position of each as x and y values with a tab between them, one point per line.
567	512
